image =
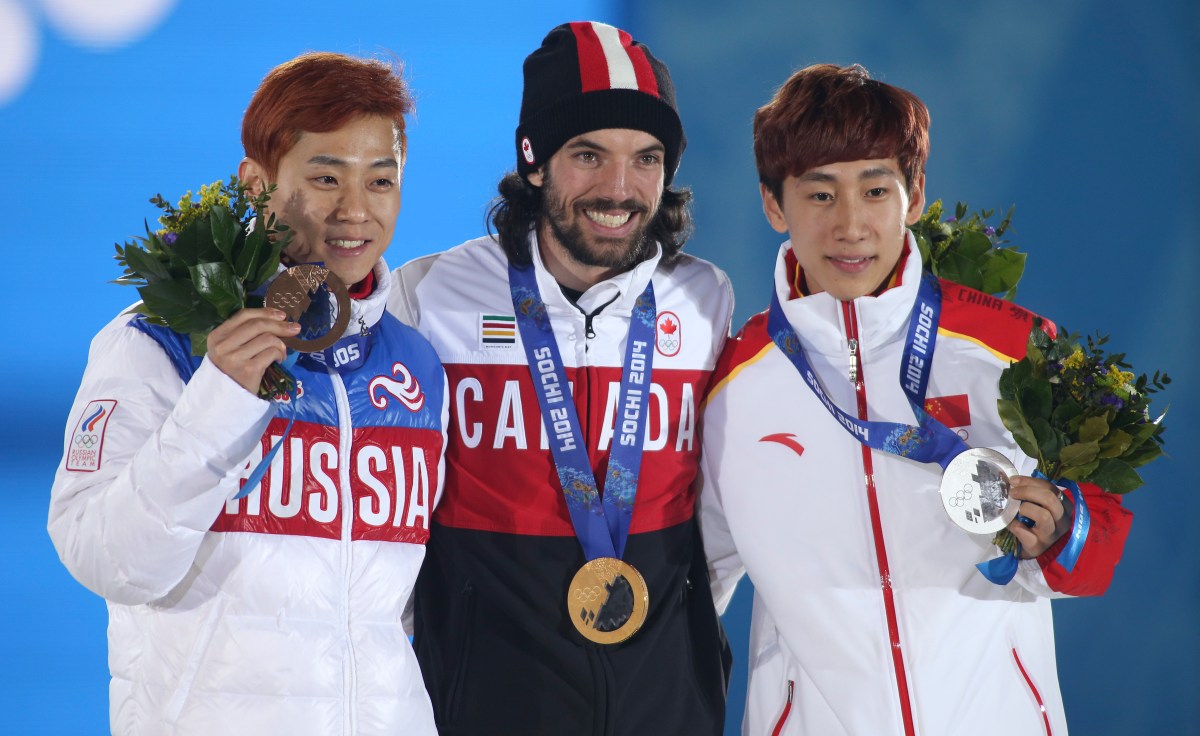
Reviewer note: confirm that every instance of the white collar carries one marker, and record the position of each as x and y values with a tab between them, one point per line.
818	319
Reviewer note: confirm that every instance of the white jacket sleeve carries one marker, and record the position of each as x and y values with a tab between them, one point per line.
129	523
725	567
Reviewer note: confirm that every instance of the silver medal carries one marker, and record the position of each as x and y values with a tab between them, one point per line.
975	488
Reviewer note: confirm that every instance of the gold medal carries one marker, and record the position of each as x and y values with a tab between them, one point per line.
607	600
291	293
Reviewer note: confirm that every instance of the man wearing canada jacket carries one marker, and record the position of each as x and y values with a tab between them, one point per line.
565	590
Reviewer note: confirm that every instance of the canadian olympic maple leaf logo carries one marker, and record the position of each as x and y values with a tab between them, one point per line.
667	334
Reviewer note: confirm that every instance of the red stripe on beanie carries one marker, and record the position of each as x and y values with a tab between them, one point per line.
646	80
593	66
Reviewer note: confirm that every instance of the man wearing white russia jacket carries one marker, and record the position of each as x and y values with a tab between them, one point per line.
869	614
278	612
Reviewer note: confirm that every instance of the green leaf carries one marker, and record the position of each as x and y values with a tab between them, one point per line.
973	245
144	265
1079	472
180	305
1079	453
1050	441
1014	421
1067	409
1014	378
1115	444
199	343
219	286
253	252
1144	454
1002	269
224	230
1093	429
961	270
1115	476
1037	400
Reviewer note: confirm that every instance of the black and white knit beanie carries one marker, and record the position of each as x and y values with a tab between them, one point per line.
589	76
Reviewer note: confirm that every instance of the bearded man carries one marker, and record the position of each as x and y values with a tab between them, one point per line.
565	589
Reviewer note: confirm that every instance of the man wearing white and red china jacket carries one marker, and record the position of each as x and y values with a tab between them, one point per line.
869	614
591	220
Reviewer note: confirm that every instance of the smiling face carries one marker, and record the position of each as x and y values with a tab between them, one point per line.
847	223
339	193
600	192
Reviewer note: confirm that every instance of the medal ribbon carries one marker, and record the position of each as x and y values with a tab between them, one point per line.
930	441
602	525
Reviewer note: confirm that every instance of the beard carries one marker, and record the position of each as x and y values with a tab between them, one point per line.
590	250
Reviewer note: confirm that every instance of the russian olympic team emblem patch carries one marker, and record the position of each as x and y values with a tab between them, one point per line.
667	336
87	441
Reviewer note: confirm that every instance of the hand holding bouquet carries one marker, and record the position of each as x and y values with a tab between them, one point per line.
205	263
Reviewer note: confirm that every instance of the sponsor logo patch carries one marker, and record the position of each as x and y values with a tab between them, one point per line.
527	150
87	441
497	330
667	336
787	439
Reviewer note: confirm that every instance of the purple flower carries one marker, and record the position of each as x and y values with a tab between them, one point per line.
1112	401
952	218
1089	379
989	231
170	238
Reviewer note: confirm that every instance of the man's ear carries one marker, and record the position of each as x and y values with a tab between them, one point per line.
253	175
538	177
916	200
772	209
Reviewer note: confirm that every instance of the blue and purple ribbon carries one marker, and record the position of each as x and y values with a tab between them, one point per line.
601	524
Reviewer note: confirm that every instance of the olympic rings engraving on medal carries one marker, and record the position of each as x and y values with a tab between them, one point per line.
607	600
587	595
291	292
960	499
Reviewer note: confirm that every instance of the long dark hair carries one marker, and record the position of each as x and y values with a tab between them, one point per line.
519	206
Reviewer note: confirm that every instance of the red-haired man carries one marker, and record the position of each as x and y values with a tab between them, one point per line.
821	477
277	610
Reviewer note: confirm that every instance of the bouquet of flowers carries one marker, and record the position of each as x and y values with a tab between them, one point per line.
1080	412
967	250
205	262
1075	408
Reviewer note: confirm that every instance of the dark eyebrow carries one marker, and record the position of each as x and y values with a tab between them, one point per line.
324	160
875	172
584	142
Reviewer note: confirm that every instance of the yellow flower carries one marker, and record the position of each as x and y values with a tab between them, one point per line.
186	212
1118	376
1075	360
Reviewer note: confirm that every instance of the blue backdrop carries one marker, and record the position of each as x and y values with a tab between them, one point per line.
1084	118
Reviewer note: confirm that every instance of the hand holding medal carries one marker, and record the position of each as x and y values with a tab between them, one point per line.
204	265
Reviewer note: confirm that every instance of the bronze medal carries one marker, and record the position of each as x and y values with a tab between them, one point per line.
291	292
607	600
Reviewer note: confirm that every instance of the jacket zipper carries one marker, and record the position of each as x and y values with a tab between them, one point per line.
787	708
1033	689
850	316
345	440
